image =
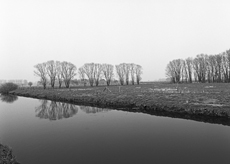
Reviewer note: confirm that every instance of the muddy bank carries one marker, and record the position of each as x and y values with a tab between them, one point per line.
6	155
162	104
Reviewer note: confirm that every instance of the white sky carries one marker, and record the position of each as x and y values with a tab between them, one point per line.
146	32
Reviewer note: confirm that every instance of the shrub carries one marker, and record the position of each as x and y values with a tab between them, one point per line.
30	84
7	87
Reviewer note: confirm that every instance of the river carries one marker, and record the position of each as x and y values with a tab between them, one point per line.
47	132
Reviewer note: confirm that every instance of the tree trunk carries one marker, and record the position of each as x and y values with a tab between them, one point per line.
108	82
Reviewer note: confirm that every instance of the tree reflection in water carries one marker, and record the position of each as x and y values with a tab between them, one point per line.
89	109
8	98
55	110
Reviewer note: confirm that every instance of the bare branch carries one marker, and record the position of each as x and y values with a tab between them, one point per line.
42	73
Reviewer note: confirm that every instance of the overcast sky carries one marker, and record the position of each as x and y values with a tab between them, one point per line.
146	32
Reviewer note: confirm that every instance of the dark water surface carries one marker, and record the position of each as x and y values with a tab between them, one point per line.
45	132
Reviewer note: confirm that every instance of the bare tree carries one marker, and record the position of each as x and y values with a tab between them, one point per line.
208	67
59	73
184	71
120	73
138	71
88	69
170	72
218	66
174	70
132	73
196	67
42	73
97	73
225	67
68	72
178	69
52	72
177	64
107	70
126	70
81	73
201	66
228	59
211	68
188	63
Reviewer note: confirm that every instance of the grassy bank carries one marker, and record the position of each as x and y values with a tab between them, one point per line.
206	101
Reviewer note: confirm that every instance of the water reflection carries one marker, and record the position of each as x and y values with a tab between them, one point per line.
130	138
8	98
89	109
200	118
55	110
6	155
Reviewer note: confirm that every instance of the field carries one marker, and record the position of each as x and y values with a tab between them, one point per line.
208	102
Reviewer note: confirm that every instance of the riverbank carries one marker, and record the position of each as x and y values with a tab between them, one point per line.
202	100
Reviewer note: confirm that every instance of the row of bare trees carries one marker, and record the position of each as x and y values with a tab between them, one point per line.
127	70
203	68
94	72
55	70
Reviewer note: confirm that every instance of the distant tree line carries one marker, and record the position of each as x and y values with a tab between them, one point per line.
203	68
64	72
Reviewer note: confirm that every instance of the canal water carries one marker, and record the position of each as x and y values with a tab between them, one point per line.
46	132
